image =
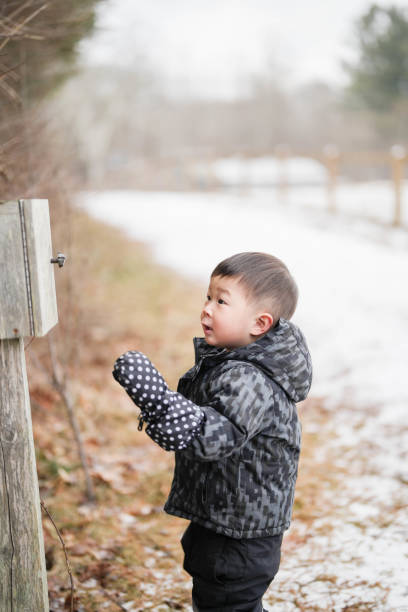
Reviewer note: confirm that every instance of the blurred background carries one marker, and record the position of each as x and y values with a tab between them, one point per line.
169	91
167	136
202	95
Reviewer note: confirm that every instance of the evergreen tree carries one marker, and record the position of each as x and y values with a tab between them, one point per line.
379	77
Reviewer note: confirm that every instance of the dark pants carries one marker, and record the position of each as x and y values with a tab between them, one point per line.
229	575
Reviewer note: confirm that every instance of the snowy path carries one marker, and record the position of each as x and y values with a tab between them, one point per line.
352	275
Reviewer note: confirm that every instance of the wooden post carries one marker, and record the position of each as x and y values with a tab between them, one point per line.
398	158
212	180
244	174
331	156
282	153
23	579
27	308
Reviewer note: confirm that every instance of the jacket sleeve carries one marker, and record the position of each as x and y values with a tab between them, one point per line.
240	398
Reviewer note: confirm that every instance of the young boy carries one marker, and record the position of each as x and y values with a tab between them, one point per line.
234	427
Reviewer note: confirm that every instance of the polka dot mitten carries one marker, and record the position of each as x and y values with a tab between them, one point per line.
173	420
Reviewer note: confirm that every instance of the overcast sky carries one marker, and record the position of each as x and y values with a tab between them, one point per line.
209	47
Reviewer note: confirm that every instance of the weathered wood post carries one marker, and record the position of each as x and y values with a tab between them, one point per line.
398	159
282	154
27	308
332	158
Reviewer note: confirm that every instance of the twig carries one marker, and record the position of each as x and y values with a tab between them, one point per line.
19	26
59	383
29	342
9	70
13	95
19	10
44	507
113	600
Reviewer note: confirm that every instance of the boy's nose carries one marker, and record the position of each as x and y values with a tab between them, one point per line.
207	309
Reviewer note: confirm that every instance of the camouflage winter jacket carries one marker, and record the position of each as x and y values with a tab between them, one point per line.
238	475
234	426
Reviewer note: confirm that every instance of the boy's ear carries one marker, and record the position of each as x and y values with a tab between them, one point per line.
262	324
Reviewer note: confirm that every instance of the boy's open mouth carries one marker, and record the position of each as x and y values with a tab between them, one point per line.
206	328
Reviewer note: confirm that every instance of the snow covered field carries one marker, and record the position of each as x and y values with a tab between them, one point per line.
352	274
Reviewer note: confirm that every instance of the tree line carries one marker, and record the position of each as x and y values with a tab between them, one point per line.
134	119
102	128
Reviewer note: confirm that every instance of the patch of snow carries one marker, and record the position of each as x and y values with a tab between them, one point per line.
126	519
129	605
91	583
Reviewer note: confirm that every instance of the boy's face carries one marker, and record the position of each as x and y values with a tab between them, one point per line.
228	318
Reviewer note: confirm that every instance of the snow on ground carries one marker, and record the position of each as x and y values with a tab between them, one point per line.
353	308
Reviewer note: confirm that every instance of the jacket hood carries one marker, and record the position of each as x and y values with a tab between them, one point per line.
282	354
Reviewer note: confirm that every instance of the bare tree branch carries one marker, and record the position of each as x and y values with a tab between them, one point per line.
19	26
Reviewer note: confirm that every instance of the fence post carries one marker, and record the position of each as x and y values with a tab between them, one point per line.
398	158
23	579
28	308
282	154
331	157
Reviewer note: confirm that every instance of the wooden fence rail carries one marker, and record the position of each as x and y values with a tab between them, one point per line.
330	156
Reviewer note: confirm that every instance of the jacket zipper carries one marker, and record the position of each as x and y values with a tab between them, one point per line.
204	491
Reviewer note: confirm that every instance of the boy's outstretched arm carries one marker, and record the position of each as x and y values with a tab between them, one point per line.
172	420
176	423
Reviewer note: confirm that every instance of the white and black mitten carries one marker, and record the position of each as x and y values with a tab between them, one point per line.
173	420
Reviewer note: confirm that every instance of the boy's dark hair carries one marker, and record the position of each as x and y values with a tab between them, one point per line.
265	278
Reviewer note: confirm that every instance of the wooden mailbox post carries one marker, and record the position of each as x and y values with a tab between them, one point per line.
27	308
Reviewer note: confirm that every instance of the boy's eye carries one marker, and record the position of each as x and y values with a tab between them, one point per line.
221	301
208	298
